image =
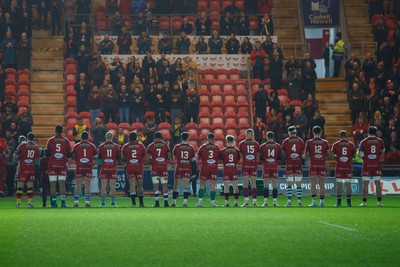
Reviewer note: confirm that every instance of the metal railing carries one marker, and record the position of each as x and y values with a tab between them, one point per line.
365	47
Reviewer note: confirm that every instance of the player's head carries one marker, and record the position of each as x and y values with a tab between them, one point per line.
229	140
185	136
317	130
270	136
249	133
58	129
157	136
292	130
109	136
21	139
84	135
372	130
132	136
343	134
210	137
30	136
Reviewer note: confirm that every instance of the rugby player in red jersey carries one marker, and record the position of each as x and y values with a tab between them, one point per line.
133	153
249	153
159	153
293	147
83	153
317	149
109	154
58	149
184	155
270	152
3	164
371	150
208	156
230	157
344	151
27	152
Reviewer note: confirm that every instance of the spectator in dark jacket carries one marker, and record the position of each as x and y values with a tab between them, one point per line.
117	23
232	45
165	44
144	43
124	41
124	104
95	101
55	11
186	26
226	23
137	105
246	46
380	32
201	46
82	58
160	101
276	66
43	11
215	43
183	44
106	46
192	105
308	78
266	25
243	24
203	25
177	99
261	100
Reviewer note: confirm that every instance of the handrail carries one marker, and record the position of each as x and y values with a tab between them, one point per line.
301	22
249	96
343	29
363	44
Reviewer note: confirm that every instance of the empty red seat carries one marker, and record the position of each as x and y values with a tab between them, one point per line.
216	95
204	117
164	23
204	128
216	106
230	117
11	73
240	84
229	106
217	117
137	126
218	128
86	117
112	127
24	74
204	95
234	74
231	128
253	23
71	117
209	74
227	85
192	128
176	22
222	74
215	5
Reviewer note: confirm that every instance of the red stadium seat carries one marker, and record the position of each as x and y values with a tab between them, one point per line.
217	117
216	95
24	74
230	117
204	117
243	117
214	84
86	117
229	95
71	117
239	4
11	73
137	126
202	4
216	106
231	128
164	23
69	60
204	84
176	22
218	128
112	127
222	74
229	106
204	128
69	129
227	85
240	84
192	128
234	74
24	95
164	125
243	106
204	95
253	23
215	5
226	3
209	74
205	105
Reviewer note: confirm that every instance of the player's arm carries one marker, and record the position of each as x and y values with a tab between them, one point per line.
361	151
333	152
328	151
306	153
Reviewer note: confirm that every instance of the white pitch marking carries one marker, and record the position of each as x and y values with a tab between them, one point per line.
339	226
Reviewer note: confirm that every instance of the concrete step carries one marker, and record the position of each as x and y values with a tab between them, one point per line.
356	11
338	117
49	76
284	3
285	22
47	87
46	64
46	109
287	33
331	97
48	98
285	11
56	42
49	119
43	53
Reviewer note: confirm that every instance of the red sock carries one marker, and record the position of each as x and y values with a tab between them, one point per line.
245	191
254	193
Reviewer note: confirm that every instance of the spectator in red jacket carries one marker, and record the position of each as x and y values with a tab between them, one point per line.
257	56
358	128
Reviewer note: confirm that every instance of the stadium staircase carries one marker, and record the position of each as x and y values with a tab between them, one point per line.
358	27
333	106
285	15
47	91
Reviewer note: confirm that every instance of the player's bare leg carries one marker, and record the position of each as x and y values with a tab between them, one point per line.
186	191
20	191
313	181
365	191
266	192
111	183
213	185
235	193
175	193
202	188
164	181
378	192
62	191
246	180
156	190
139	188
226	193
77	193
339	192
132	190
87	191
103	192
321	183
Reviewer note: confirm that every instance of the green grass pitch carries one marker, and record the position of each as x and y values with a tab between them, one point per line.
329	236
